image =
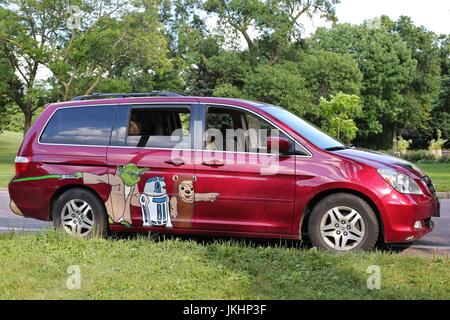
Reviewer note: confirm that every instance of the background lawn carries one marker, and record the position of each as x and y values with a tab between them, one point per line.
439	174
10	142
34	266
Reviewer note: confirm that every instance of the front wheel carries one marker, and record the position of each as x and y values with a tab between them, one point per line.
343	222
79	213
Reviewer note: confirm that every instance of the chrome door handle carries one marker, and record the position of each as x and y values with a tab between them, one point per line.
213	163
175	162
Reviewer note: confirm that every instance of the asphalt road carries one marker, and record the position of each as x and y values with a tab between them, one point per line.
438	241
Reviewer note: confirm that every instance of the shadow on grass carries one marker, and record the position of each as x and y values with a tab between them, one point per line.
297	272
247	242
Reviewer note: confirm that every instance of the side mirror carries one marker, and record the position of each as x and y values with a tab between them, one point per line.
280	144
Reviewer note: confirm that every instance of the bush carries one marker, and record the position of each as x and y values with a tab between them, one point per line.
424	156
419	156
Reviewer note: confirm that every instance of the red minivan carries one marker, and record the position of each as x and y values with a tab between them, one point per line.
168	163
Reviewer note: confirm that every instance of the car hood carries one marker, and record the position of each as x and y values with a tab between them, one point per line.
378	159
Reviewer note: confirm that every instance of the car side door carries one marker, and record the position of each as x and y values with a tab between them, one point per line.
148	158
243	187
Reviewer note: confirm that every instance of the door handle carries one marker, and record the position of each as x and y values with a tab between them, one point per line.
213	163
175	162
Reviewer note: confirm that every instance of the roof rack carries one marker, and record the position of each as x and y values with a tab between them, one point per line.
128	95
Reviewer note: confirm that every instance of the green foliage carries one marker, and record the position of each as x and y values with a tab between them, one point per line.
227	90
399	71
268	27
402	144
280	84
424	156
399	79
436	145
328	73
339	114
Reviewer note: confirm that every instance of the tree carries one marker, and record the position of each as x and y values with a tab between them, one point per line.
440	115
122	50
268	27
388	71
111	43
328	73
339	114
424	88
22	43
6	75
280	84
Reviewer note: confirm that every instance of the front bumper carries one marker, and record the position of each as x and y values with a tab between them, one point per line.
407	218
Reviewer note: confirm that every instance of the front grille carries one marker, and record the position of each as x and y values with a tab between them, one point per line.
429	184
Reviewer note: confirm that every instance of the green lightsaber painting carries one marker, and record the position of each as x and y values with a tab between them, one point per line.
50	176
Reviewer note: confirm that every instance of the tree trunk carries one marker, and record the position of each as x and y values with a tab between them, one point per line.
27	123
394	141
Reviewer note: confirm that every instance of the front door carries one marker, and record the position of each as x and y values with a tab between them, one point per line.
150	183
244	188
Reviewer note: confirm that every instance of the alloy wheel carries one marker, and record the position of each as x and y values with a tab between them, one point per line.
342	228
77	218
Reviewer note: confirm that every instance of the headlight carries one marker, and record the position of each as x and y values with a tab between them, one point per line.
399	181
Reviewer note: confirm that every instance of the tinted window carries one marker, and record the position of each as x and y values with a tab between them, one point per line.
80	125
119	132
159	128
304	128
234	130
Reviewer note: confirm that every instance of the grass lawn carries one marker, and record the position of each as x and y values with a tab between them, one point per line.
34	266
439	174
9	144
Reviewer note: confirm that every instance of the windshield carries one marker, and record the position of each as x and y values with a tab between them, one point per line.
304	128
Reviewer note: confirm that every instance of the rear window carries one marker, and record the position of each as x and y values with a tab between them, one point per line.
89	126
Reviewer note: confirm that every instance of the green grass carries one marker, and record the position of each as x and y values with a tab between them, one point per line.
34	266
439	174
9	145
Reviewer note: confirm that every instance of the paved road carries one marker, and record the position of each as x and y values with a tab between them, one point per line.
437	241
10	222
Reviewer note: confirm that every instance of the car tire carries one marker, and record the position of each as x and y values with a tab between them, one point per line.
79	212
343	222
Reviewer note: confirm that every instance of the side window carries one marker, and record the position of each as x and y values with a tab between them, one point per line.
159	128
90	126
119	131
228	129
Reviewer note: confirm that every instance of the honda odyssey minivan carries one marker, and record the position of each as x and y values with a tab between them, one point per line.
166	163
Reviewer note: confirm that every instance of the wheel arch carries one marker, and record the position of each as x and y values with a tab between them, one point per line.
69	187
321	195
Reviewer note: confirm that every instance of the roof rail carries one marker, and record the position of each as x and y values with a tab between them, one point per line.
128	95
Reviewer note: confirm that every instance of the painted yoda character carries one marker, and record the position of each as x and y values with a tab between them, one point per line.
124	191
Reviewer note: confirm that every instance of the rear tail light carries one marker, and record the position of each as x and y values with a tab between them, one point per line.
22	164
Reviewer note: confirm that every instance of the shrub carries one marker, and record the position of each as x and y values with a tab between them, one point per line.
424	156
436	145
403	145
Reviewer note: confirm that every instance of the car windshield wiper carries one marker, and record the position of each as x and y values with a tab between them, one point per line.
337	148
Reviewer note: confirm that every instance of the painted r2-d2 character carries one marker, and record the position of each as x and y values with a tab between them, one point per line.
155	203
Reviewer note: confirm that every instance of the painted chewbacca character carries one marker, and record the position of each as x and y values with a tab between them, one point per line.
182	202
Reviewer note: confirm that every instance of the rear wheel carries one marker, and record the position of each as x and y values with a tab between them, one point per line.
79	213
343	222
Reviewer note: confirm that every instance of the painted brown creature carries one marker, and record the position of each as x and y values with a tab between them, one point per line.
182	201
